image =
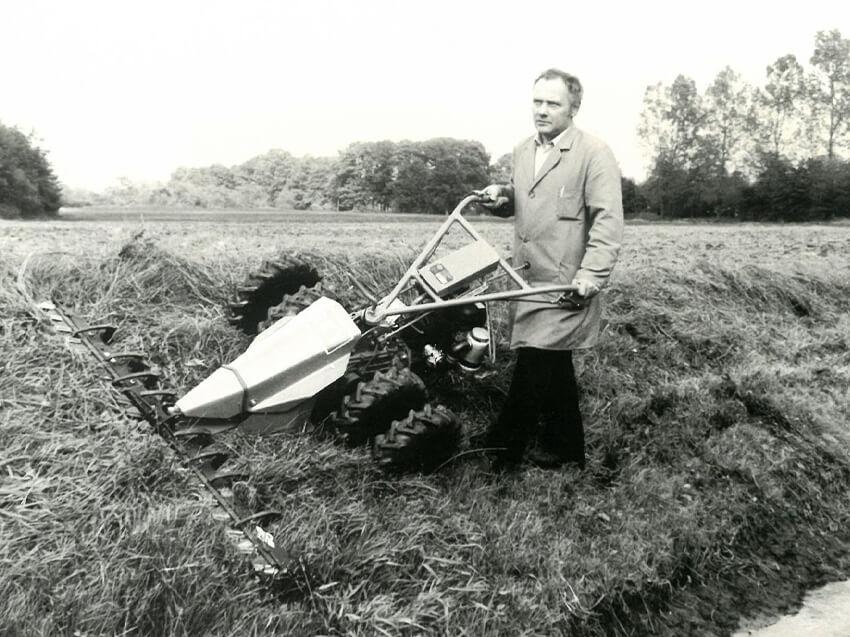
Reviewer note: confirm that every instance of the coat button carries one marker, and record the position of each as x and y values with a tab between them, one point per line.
531	195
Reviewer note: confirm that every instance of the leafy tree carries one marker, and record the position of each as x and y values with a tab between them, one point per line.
435	174
501	169
828	187
667	186
413	172
429	176
28	187
672	121
207	187
634	199
778	105
775	190
365	174
309	184
829	88
345	195
653	127
348	185
271	172
673	125
729	118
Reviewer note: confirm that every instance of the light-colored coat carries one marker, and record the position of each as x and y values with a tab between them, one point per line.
569	224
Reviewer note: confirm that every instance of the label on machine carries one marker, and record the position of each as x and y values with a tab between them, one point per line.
453	271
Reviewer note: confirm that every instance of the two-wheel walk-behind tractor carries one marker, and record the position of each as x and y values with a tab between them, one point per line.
364	374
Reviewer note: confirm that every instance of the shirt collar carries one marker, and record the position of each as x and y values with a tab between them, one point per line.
538	141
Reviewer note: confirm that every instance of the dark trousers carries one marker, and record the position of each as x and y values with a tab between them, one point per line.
544	385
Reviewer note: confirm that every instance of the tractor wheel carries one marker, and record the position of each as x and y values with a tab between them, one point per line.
420	442
293	303
266	288
373	405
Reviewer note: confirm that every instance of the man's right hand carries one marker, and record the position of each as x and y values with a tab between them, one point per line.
492	197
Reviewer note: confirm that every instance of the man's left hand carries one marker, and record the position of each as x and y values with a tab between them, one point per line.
586	289
579	298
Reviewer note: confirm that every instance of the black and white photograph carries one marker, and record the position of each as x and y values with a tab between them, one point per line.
465	318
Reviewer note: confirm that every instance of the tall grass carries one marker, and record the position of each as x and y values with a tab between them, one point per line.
716	404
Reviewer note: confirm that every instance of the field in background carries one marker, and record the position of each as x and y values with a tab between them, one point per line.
717	409
244	237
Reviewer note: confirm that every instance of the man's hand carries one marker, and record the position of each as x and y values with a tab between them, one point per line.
491	197
586	289
578	299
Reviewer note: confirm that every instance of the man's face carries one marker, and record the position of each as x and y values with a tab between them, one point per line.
552	108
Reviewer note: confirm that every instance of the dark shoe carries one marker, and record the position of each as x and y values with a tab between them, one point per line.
545	459
551	460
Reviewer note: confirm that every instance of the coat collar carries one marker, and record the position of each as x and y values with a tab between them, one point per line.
563	142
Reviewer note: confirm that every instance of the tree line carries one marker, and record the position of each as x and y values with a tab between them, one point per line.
768	152
426	176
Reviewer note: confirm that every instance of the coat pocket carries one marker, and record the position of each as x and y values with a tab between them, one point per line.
570	204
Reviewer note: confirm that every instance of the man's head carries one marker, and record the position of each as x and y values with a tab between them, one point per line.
556	99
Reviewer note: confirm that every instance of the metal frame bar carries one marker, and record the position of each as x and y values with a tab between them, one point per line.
481	298
456	216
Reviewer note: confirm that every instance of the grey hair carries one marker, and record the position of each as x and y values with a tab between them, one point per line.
574	89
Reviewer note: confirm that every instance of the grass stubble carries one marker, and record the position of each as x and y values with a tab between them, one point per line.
717	409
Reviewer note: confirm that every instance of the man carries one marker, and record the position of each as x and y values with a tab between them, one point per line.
565	193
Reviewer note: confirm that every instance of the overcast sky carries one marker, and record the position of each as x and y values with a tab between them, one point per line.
137	89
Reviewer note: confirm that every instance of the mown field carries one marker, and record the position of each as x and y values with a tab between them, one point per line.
716	413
